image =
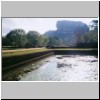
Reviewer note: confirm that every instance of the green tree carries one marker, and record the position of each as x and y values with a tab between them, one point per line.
94	25
92	35
33	39
4	41
16	37
54	42
42	41
90	39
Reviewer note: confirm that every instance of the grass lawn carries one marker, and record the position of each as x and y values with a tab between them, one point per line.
15	52
75	49
8	53
9	48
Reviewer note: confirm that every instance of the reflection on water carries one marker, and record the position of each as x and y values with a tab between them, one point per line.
62	68
58	68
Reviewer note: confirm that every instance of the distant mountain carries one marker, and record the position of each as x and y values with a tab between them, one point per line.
68	31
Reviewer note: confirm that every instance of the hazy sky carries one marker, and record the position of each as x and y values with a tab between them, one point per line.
37	24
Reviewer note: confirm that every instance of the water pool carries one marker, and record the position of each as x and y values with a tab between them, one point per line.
59	68
62	68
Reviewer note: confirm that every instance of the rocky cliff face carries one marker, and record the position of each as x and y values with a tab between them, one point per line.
68	31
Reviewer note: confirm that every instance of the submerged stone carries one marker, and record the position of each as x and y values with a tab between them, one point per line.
60	65
59	57
94	60
47	61
26	71
69	65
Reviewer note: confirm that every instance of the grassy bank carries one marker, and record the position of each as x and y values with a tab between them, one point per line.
9	48
17	52
9	53
80	49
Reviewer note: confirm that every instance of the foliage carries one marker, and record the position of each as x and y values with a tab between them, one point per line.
33	38
94	24
90	39
16	37
4	41
54	42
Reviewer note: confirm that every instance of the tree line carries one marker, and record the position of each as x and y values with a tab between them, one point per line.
19	38
89	39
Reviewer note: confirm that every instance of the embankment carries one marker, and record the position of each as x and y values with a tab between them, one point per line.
11	63
76	52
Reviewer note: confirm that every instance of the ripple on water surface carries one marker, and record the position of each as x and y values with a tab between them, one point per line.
64	68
